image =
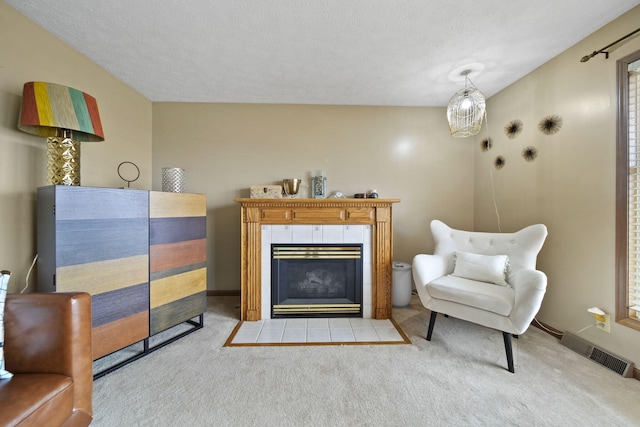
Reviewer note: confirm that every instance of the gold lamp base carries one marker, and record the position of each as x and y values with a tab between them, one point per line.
63	161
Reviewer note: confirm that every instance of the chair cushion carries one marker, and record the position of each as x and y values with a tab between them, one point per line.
36	400
483	268
482	295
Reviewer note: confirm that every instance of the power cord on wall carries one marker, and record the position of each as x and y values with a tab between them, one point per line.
540	325
26	286
585	328
495	205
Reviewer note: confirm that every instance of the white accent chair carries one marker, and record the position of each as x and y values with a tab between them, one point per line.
456	279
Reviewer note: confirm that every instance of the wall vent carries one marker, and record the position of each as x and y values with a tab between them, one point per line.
602	357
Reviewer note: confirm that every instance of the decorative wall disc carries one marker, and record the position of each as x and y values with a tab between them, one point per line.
550	124
530	154
513	128
486	144
499	162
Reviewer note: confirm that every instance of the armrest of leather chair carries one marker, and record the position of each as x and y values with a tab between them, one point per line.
51	333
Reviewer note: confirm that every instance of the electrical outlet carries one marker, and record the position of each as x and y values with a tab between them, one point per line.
606	325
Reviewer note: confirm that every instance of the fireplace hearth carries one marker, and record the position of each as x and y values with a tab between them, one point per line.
316	280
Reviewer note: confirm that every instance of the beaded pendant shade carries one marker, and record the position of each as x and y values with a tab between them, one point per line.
66	116
466	110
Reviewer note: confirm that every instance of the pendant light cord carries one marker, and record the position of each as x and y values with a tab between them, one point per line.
495	204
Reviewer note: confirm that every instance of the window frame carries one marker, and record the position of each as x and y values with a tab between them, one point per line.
622	191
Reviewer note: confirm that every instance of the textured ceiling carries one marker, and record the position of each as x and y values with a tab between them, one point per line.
349	52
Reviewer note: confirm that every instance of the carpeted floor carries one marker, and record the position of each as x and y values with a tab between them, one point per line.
457	379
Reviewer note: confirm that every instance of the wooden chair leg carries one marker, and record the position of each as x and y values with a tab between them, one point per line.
508	349
432	322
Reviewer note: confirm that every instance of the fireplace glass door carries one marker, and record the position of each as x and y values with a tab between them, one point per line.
316	280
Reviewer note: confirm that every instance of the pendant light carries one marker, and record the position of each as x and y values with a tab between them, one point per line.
466	109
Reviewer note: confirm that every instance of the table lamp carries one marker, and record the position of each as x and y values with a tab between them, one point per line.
66	116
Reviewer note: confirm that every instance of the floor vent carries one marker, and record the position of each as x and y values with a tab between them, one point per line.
610	361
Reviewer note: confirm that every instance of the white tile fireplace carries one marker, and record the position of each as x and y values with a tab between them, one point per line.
318	221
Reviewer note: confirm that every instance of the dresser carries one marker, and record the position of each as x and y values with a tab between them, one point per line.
140	254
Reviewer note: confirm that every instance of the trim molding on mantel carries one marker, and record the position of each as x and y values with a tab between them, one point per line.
257	212
331	202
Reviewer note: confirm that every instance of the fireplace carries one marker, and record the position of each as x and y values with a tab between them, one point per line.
316	280
315	221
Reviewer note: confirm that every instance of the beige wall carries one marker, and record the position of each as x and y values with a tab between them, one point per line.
570	187
28	53
404	153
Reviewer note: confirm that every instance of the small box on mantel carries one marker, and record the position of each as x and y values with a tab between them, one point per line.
266	191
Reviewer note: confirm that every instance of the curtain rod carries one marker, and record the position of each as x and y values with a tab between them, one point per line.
603	50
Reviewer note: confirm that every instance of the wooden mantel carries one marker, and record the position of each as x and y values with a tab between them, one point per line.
257	212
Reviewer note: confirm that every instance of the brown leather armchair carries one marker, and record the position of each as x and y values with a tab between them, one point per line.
47	347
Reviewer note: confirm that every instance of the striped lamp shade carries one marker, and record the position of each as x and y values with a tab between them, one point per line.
48	108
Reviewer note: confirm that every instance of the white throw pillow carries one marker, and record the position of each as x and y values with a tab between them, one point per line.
4	282
483	268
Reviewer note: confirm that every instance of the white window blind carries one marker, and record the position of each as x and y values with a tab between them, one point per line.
634	190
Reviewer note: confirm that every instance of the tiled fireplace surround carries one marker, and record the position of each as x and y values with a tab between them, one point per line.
316	233
267	221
